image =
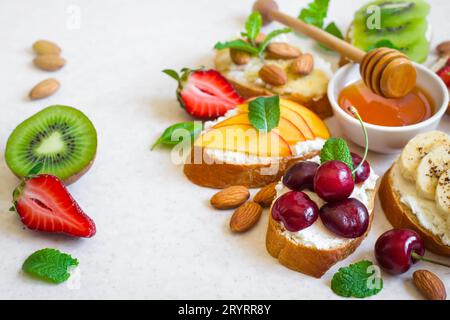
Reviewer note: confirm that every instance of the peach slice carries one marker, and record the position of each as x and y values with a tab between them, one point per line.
245	139
287	130
316	124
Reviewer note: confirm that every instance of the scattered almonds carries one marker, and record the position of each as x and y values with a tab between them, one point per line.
245	217
240	57
46	47
230	198
282	50
444	48
260	38
429	285
303	65
44	89
273	75
49	62
266	195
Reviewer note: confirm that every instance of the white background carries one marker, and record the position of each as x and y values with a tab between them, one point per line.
157	235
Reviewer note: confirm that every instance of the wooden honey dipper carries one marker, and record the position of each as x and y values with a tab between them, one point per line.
387	72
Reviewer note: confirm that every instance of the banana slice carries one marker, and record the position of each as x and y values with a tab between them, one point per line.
417	148
431	167
443	193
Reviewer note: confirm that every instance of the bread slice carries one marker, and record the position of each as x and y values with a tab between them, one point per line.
315	98
306	259
210	173
401	216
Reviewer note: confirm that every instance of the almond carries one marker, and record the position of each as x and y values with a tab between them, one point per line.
281	50
49	62
265	196
443	48
303	65
44	89
429	285
273	75
46	47
245	217
240	57
230	198
260	38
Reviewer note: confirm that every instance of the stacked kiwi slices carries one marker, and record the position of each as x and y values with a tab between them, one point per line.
60	138
403	23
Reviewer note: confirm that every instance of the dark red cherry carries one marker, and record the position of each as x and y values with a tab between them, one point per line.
348	218
300	176
393	250
296	210
334	181
363	172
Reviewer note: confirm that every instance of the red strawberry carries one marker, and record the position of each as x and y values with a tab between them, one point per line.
44	204
205	94
444	74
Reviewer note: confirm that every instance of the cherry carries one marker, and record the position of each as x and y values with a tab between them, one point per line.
397	250
300	176
296	210
333	181
362	172
348	218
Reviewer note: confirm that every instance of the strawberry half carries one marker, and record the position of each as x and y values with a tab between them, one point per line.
205	94
44	204
444	74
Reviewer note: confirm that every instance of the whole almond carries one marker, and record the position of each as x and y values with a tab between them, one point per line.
281	50
44	89
240	57
266	195
260	38
49	62
429	285
443	49
273	75
303	65
230	198
46	47
245	217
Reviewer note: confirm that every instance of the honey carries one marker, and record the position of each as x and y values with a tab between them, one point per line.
415	107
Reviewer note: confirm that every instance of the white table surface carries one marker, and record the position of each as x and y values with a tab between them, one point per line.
157	235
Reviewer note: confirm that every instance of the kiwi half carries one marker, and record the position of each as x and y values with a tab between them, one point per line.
61	138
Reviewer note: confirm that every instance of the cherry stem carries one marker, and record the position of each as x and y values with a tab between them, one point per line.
419	257
355	113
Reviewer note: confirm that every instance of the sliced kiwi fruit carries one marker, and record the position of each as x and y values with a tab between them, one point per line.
60	138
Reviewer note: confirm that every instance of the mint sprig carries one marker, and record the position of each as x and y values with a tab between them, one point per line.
264	113
173	134
359	280
336	149
49	264
384	43
252	29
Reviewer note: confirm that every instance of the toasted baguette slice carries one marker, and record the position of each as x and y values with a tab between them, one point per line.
401	216
318	103
209	173
306	259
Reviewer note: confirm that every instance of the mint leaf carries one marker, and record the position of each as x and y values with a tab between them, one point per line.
270	36
253	25
36	169
333	29
384	43
264	113
50	265
236	44
315	13
336	149
358	280
193	128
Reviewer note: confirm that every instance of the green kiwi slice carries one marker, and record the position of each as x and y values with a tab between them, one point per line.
61	138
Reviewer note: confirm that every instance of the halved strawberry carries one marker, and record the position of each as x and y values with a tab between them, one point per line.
205	94
444	74
44	204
